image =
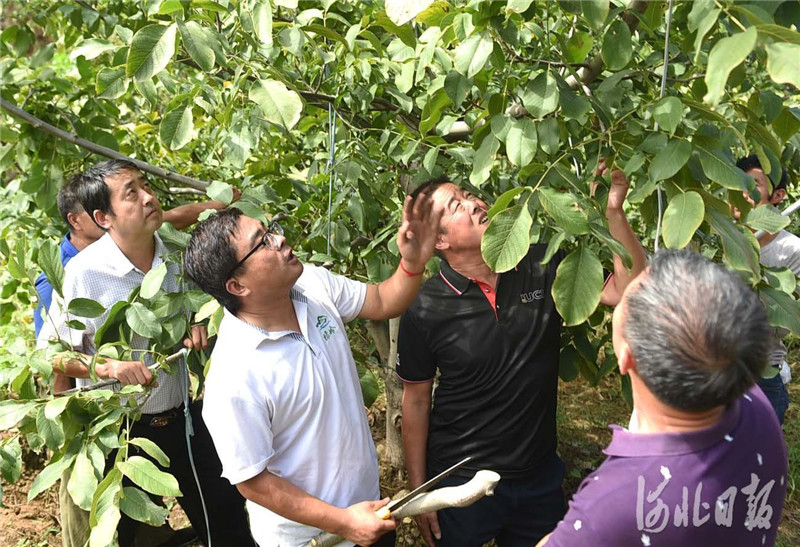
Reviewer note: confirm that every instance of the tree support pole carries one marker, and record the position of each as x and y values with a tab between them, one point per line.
100	150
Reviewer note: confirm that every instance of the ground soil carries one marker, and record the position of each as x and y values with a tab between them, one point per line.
583	416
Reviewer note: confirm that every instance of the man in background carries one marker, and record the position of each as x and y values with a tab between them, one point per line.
703	460
779	250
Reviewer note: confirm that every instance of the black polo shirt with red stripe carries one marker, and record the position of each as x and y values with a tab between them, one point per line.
497	353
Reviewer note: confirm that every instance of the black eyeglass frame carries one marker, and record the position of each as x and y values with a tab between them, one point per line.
267	240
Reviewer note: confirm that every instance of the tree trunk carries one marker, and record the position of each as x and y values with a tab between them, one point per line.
384	334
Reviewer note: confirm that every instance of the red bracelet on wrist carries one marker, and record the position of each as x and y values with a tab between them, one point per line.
410	274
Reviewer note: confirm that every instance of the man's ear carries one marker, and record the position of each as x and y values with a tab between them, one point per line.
72	222
777	196
441	242
236	288
102	219
625	360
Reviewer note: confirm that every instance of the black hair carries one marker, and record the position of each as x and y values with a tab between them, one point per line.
428	187
698	335
211	255
92	190
67	200
752	162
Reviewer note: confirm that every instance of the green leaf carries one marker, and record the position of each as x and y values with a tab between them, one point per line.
50	263
429	162
740	248
207	310
279	104
781	278
521	142
766	218
553	246
369	387
147	88
11	460
82	482
517	6
176	127
220	191
786	125
470	56
262	22
782	309
578	286
50	430
568	364
197	40
484	159
683	217
595	12
719	168
153	280
111	83
617	49
668	112
85	307
549	136
669	160
151	50
152	450
91	48
402	11
726	55
138	505
578	47
563	208
54	407
541	95
778	33
49	476
456	86
146	475
783	63
142	321
507	240
11	412
105	515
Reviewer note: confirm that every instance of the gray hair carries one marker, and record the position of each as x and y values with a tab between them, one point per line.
698	334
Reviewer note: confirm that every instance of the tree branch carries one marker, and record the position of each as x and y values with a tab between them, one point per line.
100	150
590	73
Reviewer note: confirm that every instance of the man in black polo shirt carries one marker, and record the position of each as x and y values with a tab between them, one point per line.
495	338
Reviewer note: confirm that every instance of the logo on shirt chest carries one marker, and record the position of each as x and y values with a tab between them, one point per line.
527	297
325	327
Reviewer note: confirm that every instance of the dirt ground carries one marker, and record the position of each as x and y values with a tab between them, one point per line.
583	416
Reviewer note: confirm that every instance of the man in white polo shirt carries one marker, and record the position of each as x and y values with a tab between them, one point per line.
283	400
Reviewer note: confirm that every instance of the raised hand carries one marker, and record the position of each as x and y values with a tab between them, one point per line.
416	237
619	185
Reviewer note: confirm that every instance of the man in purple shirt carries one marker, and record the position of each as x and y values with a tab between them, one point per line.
703	461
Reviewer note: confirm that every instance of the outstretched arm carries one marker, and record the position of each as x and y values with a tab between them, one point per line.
357	523
621	231
415	240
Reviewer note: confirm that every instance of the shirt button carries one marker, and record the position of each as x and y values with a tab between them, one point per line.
487	290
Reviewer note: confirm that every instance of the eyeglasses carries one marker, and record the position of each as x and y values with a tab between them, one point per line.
268	240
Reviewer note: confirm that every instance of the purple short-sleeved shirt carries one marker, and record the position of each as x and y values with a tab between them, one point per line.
724	485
